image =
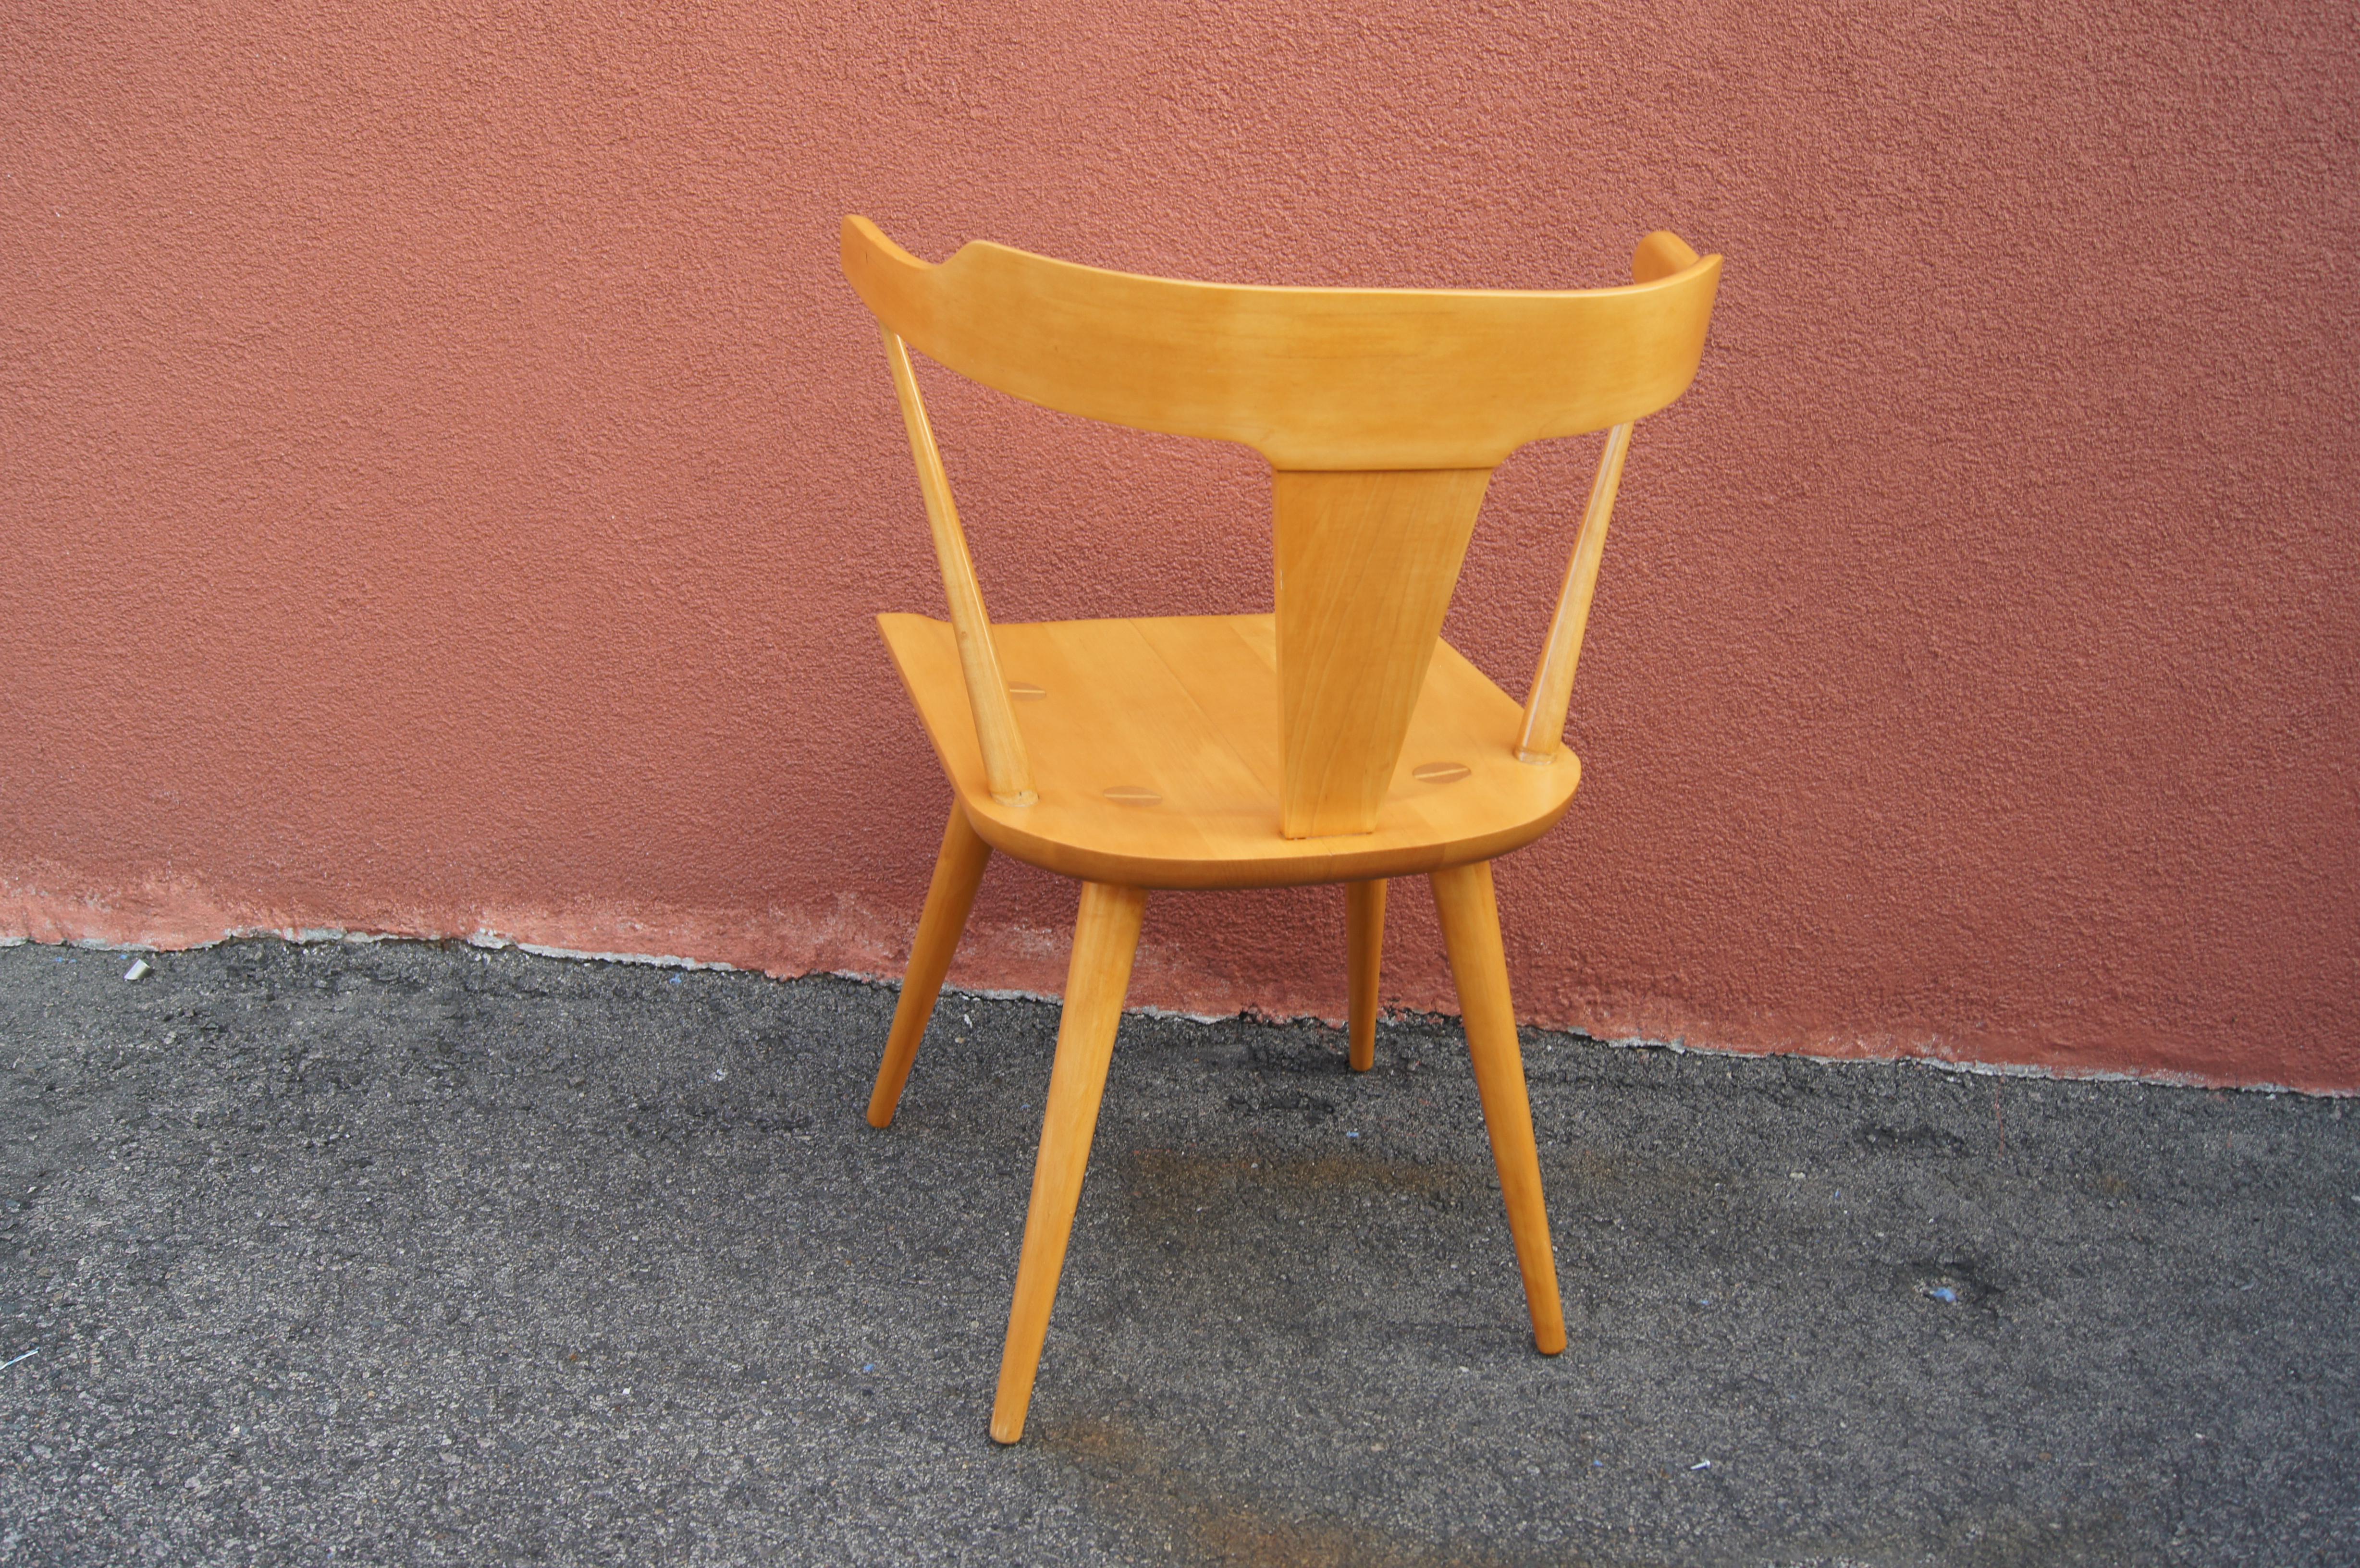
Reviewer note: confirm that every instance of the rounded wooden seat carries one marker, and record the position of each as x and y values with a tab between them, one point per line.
1156	746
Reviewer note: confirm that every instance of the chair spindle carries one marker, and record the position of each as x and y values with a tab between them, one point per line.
1006	768
1552	693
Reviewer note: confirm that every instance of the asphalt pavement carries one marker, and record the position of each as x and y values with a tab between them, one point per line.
410	1253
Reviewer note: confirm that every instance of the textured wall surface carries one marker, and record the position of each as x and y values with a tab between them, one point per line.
445	485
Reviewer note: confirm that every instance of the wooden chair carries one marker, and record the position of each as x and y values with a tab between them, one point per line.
1337	740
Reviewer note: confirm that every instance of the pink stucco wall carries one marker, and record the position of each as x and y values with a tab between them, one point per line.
445	485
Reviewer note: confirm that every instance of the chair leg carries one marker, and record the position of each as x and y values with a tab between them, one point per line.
958	870
1106	936
1365	943
1470	931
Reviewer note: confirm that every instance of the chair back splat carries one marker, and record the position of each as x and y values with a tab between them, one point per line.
1382	412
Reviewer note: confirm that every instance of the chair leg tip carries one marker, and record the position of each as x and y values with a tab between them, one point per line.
1549	1344
1004	1433
881	1120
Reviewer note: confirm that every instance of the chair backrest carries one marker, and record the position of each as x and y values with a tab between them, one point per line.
1382	412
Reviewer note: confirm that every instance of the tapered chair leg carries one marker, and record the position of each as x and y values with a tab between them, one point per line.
958	871
1470	931
1365	943
1106	936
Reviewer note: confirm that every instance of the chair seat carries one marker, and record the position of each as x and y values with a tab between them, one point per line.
1156	754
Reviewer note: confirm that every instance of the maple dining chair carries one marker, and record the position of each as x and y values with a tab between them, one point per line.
1337	740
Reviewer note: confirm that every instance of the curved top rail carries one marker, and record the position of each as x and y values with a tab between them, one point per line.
1312	379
